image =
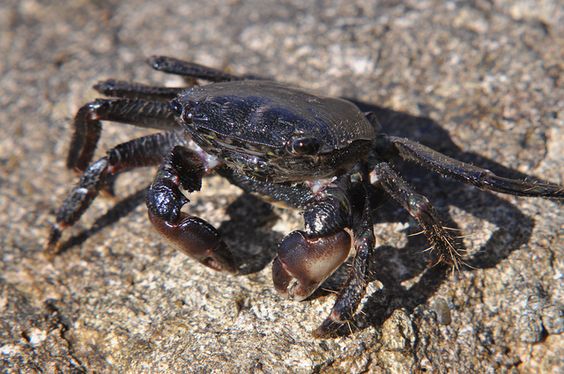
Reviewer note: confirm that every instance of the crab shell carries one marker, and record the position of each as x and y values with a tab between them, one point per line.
282	135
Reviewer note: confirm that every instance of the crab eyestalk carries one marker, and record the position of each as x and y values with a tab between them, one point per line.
304	262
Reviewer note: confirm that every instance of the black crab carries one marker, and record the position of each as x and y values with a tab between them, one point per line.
317	154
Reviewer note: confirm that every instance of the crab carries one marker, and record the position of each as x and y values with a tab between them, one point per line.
318	154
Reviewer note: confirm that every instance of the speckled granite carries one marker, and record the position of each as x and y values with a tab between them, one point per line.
481	81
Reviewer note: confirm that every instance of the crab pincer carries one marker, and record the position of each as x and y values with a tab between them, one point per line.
191	235
303	263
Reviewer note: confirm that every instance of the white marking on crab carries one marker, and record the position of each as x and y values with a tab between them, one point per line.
318	224
82	190
374	177
319	185
254	160
210	162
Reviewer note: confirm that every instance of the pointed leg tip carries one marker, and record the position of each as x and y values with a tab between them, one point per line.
52	245
157	62
50	251
329	328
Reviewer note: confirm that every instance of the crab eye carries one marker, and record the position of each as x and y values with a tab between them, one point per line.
305	146
176	107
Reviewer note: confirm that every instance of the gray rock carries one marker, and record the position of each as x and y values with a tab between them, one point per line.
481	81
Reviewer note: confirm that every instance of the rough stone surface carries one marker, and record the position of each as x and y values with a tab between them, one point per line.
481	81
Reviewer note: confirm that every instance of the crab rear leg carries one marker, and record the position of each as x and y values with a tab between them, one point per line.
191	235
144	151
482	178
420	208
188	69
306	258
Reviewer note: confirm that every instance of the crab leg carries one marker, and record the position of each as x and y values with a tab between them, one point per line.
133	90
175	66
87	126
189	69
306	258
419	207
482	178
145	151
355	287
191	235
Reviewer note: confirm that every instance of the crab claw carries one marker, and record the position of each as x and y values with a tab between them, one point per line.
304	262
198	239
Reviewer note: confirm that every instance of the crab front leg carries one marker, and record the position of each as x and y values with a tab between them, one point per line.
307	258
145	151
191	235
355	287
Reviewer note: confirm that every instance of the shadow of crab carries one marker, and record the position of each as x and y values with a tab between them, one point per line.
253	243
248	232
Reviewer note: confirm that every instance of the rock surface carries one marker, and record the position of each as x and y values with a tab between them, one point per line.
481	81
